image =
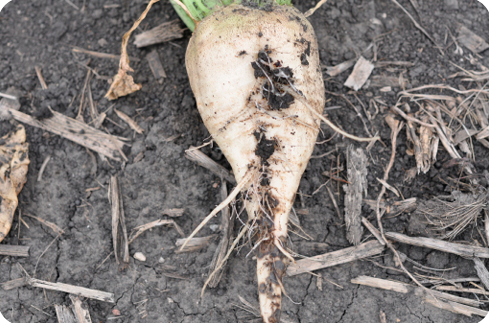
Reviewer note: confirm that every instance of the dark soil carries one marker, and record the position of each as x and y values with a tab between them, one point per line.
73	191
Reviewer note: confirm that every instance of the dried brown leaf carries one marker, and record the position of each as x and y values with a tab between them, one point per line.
14	163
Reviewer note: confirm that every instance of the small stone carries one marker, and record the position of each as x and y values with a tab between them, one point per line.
451	4
139	256
161	260
214	227
116	312
102	42
97	13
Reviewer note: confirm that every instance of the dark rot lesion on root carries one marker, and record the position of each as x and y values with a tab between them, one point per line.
264	147
275	264
275	77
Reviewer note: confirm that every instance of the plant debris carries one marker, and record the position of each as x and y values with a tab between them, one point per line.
450	215
14	162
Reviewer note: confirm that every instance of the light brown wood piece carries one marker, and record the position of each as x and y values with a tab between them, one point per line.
119	232
14	251
193	244
354	192
15	283
227	229
455	307
136	232
404	288
71	289
463	290
360	74
203	160
450	247
81	312
101	55
334	258
165	32
64	314
134	126
76	131
472	41
155	65
41	79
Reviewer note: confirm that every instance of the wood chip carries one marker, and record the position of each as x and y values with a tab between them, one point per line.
482	272
340	68
455	307
361	73
119	232
389	187
193	244
203	160
450	247
334	258
41	79
462	290
15	283
136	232
463	134
50	225
354	192
227	225
71	289
64	314
469	39
484	133
81	310
8	102
404	288
173	213
101	55
165	32
155	65
134	126
76	131
373	230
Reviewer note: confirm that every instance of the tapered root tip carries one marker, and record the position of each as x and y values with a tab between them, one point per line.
271	266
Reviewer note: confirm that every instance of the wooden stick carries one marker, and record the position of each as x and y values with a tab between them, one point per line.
373	230
8	96
101	55
221	250
406	288
43	167
463	290
14	251
354	191
455	307
334	258
482	272
450	247
15	283
194	244
119	232
203	160
133	124
64	314
75	131
41	79
81	312
71	289
165	32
